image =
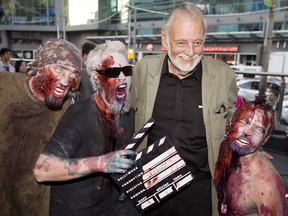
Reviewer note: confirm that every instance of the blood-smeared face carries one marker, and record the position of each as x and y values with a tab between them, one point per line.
53	82
114	91
247	131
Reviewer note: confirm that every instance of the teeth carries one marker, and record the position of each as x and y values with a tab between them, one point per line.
59	91
243	141
121	86
186	58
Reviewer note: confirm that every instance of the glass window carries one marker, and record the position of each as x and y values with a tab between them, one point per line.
255	85
246	85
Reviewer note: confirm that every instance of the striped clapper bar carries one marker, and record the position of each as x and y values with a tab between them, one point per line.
158	173
138	137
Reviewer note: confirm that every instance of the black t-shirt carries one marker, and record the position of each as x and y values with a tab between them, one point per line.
85	88
83	132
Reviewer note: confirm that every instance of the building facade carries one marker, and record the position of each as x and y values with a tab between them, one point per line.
236	30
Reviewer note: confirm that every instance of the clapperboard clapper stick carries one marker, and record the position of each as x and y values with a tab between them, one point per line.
159	172
139	136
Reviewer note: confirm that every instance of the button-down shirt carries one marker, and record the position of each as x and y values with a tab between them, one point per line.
178	113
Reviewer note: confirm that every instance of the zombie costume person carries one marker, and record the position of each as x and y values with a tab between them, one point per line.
84	146
30	108
246	182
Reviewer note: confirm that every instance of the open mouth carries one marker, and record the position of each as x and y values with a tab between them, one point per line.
59	92
121	91
186	58
243	141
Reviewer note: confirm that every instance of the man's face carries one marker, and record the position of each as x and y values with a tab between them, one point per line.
272	97
185	43
54	82
247	131
6	56
114	90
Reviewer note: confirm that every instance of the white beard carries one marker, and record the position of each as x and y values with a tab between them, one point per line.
117	107
185	68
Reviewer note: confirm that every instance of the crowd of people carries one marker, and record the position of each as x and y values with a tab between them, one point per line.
20	66
56	158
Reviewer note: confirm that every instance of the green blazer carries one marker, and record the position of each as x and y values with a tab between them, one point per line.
219	96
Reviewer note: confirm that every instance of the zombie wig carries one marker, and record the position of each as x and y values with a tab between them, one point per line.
96	56
227	160
58	51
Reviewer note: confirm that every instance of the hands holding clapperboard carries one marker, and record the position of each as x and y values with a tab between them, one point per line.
159	171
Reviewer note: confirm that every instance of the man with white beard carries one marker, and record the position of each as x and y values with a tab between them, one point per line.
191	98
87	143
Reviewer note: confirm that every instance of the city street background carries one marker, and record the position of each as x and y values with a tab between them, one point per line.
277	146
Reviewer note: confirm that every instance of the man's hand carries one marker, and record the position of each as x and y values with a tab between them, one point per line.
116	162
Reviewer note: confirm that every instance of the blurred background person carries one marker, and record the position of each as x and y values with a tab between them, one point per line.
273	96
21	67
85	88
5	55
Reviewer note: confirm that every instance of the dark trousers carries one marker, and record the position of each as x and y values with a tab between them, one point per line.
193	200
125	208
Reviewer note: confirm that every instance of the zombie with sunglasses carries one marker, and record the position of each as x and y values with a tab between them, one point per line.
86	145
30	108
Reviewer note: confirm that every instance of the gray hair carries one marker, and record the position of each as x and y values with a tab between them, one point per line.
185	8
95	57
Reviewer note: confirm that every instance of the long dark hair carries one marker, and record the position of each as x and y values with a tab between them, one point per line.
17	65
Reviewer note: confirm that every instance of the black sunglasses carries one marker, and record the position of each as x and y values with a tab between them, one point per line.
114	72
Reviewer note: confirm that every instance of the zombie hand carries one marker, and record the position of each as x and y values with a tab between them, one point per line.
117	162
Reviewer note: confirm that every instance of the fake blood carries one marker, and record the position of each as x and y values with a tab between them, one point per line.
43	83
107	62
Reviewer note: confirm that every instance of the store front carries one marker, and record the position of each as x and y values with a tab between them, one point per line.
231	55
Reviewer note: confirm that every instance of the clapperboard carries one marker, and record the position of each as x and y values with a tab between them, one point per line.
158	173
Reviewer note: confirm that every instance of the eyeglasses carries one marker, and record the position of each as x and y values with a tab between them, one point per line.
114	72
